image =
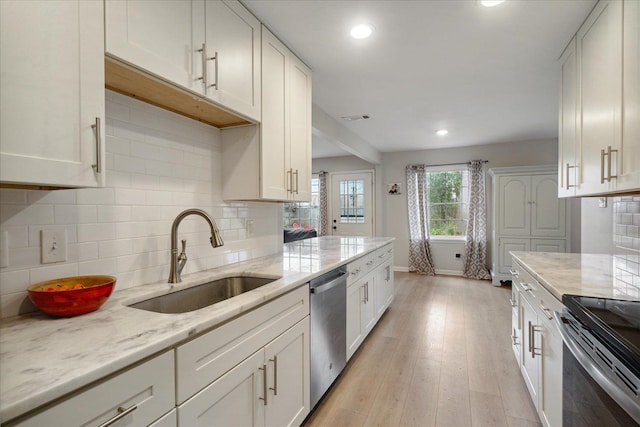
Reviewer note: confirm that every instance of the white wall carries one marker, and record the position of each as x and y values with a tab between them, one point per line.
395	222
158	164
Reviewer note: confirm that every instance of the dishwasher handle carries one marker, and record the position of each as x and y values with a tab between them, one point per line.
329	285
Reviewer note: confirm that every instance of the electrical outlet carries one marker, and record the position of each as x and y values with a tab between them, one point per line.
54	245
4	249
457	255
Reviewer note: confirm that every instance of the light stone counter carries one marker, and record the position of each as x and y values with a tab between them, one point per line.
579	274
43	358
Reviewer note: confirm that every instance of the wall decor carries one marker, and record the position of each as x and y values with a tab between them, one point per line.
394	188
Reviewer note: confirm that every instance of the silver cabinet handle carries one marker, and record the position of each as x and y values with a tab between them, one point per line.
366	287
98	166
388	273
526	287
602	178
203	55
513	302
356	271
546	311
264	384
569	167
275	375
296	187
609	176
369	262
514	273
122	412
215	57
514	337
530	346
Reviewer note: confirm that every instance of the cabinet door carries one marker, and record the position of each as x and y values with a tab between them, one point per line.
568	120
300	129
161	37
629	175
599	43
550	375
287	359
515	205
368	312
355	329
505	246
548	245
275	122
531	350
548	212
384	288
235	399
233	57
52	85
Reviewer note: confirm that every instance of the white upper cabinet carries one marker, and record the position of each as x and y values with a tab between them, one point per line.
52	86
567	140
209	47
157	36
273	162
232	55
599	150
629	175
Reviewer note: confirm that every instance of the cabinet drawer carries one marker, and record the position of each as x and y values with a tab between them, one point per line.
536	294
384	253
204	359
360	267
150	387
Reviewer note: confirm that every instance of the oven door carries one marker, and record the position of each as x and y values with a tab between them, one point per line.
597	389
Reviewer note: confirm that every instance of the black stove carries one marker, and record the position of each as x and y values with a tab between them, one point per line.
615	322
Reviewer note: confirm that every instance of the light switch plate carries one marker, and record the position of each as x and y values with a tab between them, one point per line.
4	249
54	245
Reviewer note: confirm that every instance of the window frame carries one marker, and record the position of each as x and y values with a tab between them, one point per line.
449	168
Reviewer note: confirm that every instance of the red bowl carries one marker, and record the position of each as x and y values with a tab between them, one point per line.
71	296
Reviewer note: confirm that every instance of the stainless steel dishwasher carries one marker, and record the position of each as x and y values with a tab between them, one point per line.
328	330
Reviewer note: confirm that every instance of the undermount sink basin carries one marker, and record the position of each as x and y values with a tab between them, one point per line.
201	296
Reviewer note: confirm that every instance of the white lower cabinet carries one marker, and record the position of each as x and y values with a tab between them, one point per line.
370	291
145	393
269	388
537	344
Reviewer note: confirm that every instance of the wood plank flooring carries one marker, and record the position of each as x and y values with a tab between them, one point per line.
440	356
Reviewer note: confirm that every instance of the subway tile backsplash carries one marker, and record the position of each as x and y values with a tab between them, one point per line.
158	164
626	237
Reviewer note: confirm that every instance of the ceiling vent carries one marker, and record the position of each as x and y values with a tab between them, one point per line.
354	118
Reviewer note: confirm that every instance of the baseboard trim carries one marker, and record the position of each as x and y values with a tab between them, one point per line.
401	269
448	272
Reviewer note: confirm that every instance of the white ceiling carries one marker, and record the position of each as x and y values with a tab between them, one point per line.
488	75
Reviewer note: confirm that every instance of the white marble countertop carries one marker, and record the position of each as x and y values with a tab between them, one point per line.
578	274
43	358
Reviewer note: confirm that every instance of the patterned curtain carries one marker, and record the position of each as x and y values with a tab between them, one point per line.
324	212
476	246
420	260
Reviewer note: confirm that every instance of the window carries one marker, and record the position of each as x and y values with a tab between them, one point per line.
304	214
352	201
448	201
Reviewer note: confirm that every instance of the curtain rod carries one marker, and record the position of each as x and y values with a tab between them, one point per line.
454	164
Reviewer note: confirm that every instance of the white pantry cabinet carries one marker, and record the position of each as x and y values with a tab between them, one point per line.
52	89
208	47
537	346
527	215
273	161
599	147
138	396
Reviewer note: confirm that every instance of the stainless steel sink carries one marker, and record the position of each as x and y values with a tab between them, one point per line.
201	296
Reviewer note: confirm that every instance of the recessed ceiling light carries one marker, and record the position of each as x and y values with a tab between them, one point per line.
442	132
490	3
361	31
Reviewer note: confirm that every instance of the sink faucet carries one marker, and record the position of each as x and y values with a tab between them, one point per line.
178	262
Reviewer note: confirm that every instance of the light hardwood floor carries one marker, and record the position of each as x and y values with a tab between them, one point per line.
440	356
